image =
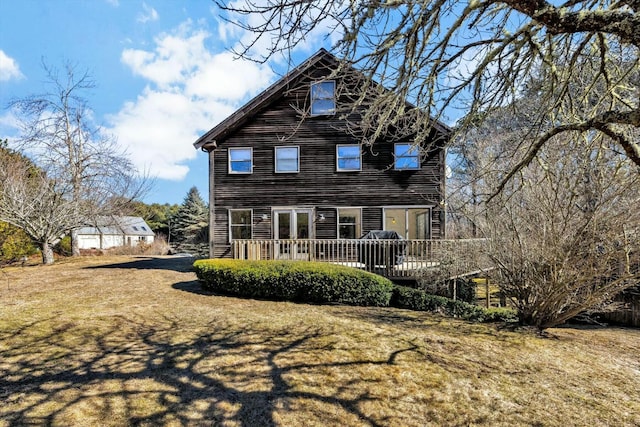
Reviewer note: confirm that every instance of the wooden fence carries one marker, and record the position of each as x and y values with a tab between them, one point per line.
629	314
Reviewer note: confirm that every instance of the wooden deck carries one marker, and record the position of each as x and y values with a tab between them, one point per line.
395	259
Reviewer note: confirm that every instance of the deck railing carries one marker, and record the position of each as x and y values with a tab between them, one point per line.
390	258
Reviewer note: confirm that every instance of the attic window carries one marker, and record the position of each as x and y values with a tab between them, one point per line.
135	228
323	98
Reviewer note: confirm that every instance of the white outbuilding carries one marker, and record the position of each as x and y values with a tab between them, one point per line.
113	231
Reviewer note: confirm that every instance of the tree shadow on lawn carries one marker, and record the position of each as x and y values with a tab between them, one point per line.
424	320
179	264
385	316
143	371
194	287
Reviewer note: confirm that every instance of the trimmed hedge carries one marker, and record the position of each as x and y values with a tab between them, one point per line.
417	299
306	281
294	281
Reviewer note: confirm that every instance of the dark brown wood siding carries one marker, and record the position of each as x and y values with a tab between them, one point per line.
326	229
371	219
318	185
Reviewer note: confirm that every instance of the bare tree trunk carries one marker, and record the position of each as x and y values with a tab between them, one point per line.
75	244
47	253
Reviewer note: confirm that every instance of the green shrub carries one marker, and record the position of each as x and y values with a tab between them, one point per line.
14	243
63	247
500	314
294	281
465	288
417	299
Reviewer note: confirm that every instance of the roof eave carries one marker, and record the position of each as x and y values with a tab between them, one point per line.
208	141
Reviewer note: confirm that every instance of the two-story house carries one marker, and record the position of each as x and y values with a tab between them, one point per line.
285	167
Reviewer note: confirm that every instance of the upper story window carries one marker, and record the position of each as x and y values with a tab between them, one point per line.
323	98
240	160
407	156
287	159
349	157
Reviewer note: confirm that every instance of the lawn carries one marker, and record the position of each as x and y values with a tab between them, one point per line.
133	341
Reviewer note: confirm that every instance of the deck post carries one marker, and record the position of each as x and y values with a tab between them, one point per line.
387	252
486	281
503	299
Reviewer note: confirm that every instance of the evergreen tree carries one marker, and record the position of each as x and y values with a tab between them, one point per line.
158	216
190	225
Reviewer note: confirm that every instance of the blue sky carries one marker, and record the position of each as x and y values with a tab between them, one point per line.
163	72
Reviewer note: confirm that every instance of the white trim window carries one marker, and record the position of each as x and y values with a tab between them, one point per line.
241	160
240	224
323	98
287	159
410	222
406	156
348	157
349	223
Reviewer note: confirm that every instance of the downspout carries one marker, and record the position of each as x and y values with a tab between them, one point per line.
212	200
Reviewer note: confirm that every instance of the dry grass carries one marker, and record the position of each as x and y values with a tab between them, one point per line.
133	341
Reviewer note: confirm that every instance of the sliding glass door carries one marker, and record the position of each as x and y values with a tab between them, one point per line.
410	223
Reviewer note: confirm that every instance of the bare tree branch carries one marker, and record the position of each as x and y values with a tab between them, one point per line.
564	232
83	166
473	57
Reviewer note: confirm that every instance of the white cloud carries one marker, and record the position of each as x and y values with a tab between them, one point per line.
9	126
189	90
9	68
225	78
148	14
174	57
9	120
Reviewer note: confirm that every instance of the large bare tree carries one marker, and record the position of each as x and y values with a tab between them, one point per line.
473	56
85	165
564	232
42	207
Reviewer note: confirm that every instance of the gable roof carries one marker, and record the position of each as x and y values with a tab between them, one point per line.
117	225
134	225
208	141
